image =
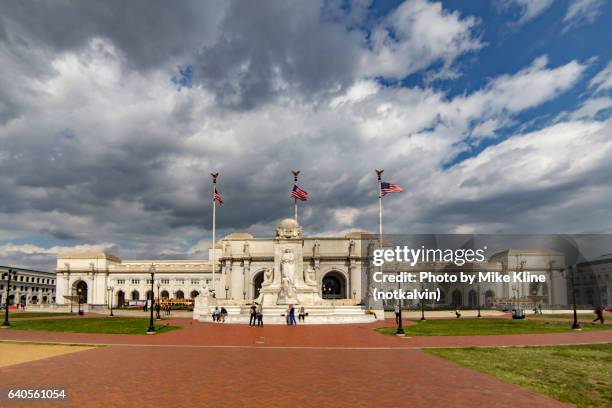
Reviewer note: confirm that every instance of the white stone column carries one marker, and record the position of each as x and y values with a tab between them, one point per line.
355	276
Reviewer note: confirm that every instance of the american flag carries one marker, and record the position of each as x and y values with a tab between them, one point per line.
299	193
218	197
386	188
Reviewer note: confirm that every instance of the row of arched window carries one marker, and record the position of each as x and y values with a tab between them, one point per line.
164	294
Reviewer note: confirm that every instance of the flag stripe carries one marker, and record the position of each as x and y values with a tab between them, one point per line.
299	194
387	188
218	198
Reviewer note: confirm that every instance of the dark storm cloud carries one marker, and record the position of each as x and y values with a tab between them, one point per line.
268	48
148	32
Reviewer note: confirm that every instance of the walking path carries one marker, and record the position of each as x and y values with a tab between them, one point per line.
213	365
218	335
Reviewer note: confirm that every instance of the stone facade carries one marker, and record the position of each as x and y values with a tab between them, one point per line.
29	287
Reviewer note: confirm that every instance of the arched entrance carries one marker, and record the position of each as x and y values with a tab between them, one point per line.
149	294
194	294
80	290
180	294
22	299
165	294
135	295
457	298
333	286
472	299
489	294
257	283
120	298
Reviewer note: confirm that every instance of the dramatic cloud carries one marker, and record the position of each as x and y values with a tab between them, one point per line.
108	131
414	36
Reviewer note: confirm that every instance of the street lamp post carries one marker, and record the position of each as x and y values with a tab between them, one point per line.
6	324
151	326
478	301
158	304
79	291
400	327
422	303
111	290
575	325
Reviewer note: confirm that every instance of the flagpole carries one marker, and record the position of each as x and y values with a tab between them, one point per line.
295	204
214	224
380	229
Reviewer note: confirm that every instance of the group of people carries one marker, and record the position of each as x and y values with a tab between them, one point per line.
290	315
256	315
219	315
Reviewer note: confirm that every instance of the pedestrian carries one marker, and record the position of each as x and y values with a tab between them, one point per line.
259	316
253	316
457	313
169	308
223	314
287	315
144	307
215	314
292	315
599	313
397	314
302	315
157	309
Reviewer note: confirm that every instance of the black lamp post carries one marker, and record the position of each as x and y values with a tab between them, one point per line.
79	291
158	304
6	324
400	327
71	297
575	325
422	303
110	300
478	302
151	326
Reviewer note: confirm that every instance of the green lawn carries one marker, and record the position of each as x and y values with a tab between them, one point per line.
570	316
113	325
35	314
580	374
475	327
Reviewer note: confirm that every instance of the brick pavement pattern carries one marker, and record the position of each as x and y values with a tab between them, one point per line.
354	335
217	365
121	376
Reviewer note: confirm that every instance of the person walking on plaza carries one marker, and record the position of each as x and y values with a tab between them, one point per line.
397	314
215	314
223	314
259	316
287	310
302	315
292	315
599	314
157	310
253	315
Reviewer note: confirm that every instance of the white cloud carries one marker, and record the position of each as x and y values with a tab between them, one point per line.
415	35
603	80
582	11
528	9
9	249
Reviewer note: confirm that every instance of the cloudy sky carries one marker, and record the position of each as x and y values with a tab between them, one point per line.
495	117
